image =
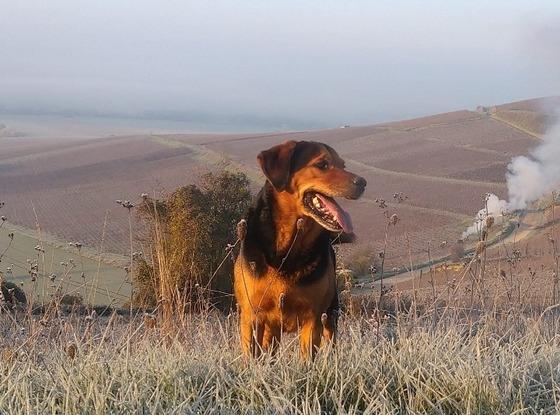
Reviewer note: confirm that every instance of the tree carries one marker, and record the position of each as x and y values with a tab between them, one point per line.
189	233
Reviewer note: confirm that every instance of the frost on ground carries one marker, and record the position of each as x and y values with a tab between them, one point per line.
77	366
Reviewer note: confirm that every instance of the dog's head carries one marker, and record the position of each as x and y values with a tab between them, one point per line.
311	174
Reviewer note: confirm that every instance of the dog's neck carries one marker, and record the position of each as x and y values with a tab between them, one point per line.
285	218
273	235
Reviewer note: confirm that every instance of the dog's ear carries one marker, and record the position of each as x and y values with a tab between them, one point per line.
276	164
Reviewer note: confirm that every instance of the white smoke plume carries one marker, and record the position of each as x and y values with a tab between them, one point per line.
528	179
495	207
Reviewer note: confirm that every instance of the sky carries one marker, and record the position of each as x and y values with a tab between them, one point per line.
290	63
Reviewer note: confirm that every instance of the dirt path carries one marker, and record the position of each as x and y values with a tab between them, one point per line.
423	177
531	223
513	125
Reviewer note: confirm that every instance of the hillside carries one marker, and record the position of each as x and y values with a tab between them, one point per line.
431	171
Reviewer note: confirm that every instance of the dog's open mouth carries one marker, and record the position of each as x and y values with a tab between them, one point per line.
327	212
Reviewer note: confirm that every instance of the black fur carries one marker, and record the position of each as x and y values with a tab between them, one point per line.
258	247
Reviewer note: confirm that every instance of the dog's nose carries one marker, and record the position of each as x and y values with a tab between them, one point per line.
359	181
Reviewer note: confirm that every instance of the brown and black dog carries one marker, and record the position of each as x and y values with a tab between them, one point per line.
285	272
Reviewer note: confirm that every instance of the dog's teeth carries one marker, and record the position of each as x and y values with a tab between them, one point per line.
316	203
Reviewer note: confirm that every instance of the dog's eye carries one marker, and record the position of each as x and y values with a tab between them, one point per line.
323	165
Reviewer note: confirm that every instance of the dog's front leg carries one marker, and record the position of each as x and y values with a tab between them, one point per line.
252	332
271	339
329	328
310	338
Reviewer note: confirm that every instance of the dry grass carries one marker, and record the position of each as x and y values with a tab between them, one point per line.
74	365
394	356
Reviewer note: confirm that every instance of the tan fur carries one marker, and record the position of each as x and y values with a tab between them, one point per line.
274	304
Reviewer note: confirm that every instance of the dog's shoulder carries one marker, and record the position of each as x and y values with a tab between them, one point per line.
261	233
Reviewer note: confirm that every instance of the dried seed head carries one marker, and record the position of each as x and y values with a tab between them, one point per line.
8	356
489	221
393	220
149	320
381	203
299	224
480	247
241	229
71	350
400	197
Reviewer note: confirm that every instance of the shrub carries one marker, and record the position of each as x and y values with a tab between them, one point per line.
72	300
12	295
360	262
189	233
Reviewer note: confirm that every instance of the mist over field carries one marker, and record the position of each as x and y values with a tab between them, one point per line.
273	65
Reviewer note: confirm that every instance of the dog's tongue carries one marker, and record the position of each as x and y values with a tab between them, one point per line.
341	216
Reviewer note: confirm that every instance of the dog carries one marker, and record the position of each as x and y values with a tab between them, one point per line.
284	275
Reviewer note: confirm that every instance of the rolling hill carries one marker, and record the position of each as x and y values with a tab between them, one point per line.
432	172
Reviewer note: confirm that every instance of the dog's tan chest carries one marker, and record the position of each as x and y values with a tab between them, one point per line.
274	299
